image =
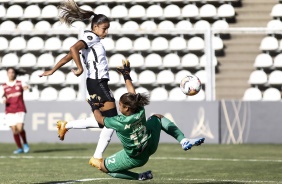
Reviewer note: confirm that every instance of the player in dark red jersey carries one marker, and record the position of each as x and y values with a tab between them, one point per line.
11	94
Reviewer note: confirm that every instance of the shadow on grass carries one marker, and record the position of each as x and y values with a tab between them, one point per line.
56	182
58	150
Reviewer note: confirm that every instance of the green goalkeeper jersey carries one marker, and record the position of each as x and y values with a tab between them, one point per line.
131	130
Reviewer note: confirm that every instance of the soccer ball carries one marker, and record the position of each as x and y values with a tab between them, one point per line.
190	85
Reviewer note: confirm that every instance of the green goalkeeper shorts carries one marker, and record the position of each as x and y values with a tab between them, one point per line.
120	161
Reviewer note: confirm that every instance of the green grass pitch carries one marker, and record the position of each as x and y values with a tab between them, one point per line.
68	163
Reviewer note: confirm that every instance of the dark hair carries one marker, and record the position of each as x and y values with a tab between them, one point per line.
70	12
17	71
135	101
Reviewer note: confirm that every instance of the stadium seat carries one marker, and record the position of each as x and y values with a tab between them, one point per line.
196	44
42	25
178	43
226	11
203	61
78	25
148	25
67	94
280	45
159	94
25	26
59	26
130	26
133	76
202	75
165	77
276	10
190	11
3	76
275	78
201	96
8	26
137	11
114	77
269	43
53	43
142	43
49	11
153	60
59	57
142	90
220	24
271	94
176	94
108	43
72	79
119	11
258	77
35	79
171	60
68	42
202	25
27	60
32	11
172	10
166	25
116	60
278	61
119	92
14	11
57	77
4	43
190	60
252	94
10	59
32	94
147	77
2	11
115	26
263	61
217	43
103	9
180	75
86	7
154	11
17	43
159	44
48	94
124	44
208	11
24	78
35	43
183	25
136	60
45	60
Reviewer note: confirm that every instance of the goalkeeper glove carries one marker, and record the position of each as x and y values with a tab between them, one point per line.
125	71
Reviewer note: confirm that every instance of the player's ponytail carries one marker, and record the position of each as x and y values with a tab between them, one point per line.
135	101
70	12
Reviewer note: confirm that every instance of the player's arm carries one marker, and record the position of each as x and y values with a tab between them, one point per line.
74	51
125	71
2	97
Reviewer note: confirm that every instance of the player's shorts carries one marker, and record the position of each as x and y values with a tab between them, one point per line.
100	88
13	119
121	161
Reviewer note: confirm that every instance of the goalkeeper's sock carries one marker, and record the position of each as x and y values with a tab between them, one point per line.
170	128
82	124
104	140
125	175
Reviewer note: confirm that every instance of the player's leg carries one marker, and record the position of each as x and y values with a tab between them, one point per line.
21	130
12	122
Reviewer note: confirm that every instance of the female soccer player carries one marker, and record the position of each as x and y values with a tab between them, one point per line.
139	137
94	58
11	94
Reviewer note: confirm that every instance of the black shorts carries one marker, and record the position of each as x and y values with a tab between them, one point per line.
100	88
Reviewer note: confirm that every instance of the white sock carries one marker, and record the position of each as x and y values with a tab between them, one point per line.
82	124
104	140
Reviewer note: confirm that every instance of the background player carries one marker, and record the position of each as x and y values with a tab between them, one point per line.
11	94
95	60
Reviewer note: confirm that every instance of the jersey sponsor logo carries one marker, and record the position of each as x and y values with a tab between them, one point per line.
14	94
17	87
89	37
127	127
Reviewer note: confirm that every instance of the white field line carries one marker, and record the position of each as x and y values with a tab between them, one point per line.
152	158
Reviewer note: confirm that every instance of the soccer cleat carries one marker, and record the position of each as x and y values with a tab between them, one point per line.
197	142
146	175
96	162
61	125
186	145
25	148
18	151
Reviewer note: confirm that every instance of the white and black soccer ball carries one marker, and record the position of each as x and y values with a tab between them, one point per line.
190	85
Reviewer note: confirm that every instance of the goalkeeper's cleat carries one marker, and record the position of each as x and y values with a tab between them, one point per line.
25	148
96	162
146	175
18	151
61	125
186	145
197	142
